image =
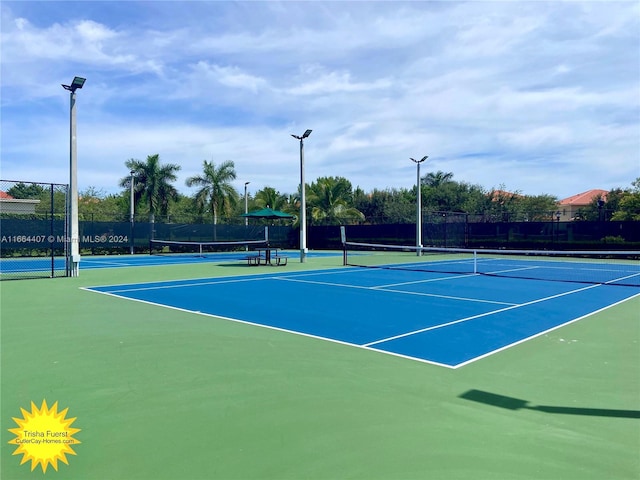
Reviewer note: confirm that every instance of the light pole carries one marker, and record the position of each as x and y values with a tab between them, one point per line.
73	267
419	208
303	206
246	204
132	210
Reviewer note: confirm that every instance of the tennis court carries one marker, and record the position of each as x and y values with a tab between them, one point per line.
440	318
186	367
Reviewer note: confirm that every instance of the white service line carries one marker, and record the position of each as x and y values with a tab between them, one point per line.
379	289
466	319
454	277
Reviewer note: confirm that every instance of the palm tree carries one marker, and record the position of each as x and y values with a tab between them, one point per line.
436	179
330	199
269	197
152	183
216	193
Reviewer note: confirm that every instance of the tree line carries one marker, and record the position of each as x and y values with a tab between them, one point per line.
329	200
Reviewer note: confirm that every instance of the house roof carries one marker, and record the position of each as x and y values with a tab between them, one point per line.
497	194
584	198
5	195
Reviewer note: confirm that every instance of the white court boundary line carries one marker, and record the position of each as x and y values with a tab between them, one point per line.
177	283
544	332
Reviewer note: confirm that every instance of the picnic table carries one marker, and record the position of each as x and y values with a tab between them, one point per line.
266	256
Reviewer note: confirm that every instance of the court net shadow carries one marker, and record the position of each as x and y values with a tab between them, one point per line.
511	403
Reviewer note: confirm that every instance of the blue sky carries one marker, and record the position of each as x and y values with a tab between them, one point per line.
534	97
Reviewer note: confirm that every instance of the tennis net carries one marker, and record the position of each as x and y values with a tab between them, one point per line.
593	267
202	249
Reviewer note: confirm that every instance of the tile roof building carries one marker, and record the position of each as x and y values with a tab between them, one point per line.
8	204
568	207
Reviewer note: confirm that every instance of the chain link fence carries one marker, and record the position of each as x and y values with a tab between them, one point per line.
450	229
33	229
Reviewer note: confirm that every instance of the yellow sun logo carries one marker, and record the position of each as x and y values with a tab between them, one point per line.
44	436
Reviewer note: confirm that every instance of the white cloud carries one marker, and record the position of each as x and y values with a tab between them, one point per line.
85	40
335	82
230	76
540	137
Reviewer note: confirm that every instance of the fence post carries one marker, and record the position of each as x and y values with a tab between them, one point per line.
51	231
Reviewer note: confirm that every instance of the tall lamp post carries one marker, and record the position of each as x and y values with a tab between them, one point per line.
73	267
419	208
303	206
246	204
131	210
246	210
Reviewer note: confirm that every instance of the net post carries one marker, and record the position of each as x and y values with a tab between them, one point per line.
343	239
475	261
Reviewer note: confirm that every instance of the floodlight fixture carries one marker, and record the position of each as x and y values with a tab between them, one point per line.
304	135
77	83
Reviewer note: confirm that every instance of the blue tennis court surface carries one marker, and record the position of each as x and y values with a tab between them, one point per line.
443	319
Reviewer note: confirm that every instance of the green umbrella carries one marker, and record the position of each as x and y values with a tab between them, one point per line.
267	213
